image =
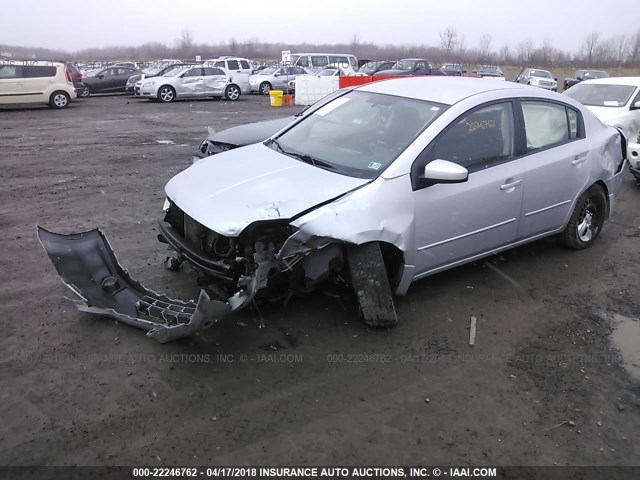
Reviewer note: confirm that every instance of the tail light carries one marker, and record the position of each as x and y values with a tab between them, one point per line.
68	75
78	75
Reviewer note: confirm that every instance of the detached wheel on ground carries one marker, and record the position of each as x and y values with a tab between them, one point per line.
166	94
232	93
371	285
59	100
586	220
265	88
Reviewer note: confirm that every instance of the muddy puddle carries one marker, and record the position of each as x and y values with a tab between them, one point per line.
626	338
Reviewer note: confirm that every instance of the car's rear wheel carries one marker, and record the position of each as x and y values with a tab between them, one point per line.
232	93
586	220
59	100
371	285
85	92
265	88
166	94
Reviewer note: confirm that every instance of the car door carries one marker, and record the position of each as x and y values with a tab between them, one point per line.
12	89
120	79
190	83
104	81
556	167
459	221
281	78
214	81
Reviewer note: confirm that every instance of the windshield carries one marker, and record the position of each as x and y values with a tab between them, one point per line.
495	70
540	73
358	134
172	72
268	71
599	95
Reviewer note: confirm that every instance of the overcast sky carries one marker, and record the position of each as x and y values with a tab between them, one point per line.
75	25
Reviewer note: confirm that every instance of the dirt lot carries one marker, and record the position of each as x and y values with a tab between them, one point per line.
543	386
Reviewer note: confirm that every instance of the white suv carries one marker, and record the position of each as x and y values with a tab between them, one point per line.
232	64
36	82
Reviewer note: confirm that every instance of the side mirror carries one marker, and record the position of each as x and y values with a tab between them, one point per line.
636	105
633	151
100	76
443	171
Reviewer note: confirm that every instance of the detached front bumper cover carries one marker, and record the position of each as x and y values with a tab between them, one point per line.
87	265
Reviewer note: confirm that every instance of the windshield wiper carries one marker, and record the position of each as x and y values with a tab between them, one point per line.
302	156
309	159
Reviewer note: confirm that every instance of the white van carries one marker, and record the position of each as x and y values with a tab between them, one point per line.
36	82
316	62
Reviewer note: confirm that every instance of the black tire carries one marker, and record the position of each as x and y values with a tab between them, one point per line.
166	94
59	99
371	285
86	92
232	93
265	88
586	220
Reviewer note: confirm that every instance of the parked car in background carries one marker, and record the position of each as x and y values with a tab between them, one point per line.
454	69
489	71
411	66
316	62
107	80
194	82
76	76
616	102
275	78
370	67
538	78
241	135
31	81
230	64
133	65
582	75
393	181
154	70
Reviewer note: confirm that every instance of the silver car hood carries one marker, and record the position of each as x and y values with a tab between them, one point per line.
229	191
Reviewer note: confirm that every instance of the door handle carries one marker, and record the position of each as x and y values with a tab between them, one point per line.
579	159
510	185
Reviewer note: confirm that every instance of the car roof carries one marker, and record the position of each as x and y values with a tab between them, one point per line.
635	81
438	89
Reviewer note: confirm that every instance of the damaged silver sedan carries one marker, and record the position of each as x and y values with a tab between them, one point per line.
383	185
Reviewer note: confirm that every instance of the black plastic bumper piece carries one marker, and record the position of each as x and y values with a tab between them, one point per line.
87	265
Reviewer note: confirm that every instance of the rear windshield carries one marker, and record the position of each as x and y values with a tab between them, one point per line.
598	95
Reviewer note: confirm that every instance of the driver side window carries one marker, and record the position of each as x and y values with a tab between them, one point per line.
194	72
479	139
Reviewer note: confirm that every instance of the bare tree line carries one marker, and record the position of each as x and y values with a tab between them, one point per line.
595	51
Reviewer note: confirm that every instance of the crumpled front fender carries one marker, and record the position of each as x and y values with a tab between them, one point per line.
87	265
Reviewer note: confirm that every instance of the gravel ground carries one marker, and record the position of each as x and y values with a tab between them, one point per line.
307	383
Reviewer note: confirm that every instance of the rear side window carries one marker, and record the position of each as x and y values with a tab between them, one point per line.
10	71
33	71
244	64
319	61
547	124
219	64
478	139
233	65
